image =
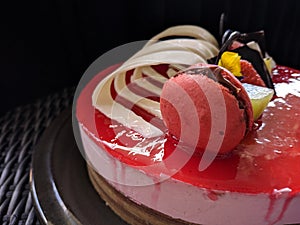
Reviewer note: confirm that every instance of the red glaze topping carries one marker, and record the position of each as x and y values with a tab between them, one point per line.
267	159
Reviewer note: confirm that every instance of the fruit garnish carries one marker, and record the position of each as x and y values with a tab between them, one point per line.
260	98
270	63
250	75
231	61
240	68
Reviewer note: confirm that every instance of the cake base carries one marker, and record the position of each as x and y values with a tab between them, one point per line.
125	208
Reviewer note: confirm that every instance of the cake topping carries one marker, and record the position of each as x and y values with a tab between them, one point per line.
243	55
116	95
250	75
260	97
213	72
129	94
241	68
233	54
250	47
231	61
224	112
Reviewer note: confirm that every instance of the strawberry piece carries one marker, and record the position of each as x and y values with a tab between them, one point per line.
250	75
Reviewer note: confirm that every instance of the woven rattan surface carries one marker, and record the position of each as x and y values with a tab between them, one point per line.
20	130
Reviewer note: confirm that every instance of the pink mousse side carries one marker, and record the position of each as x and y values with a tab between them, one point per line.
218	113
187	202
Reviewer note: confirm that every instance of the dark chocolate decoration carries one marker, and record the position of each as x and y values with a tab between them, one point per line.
222	23
226	83
247	53
233	36
226	36
258	37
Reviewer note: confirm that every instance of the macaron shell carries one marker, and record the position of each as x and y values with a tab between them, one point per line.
178	110
220	119
241	94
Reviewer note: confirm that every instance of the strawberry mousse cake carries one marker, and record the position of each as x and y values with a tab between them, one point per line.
189	131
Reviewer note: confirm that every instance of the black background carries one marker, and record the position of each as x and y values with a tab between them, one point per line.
47	45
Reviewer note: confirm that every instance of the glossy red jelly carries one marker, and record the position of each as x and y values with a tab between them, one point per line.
267	159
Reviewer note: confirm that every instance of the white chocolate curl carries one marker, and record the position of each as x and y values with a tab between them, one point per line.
177	53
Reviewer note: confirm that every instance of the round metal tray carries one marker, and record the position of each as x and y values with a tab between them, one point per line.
61	189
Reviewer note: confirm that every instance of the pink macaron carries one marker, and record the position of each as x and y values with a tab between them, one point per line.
207	108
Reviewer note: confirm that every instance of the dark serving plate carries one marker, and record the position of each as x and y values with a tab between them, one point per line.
60	186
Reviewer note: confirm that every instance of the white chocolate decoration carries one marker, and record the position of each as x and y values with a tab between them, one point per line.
176	53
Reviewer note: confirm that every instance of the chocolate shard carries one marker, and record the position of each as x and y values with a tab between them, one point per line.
251	55
258	37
